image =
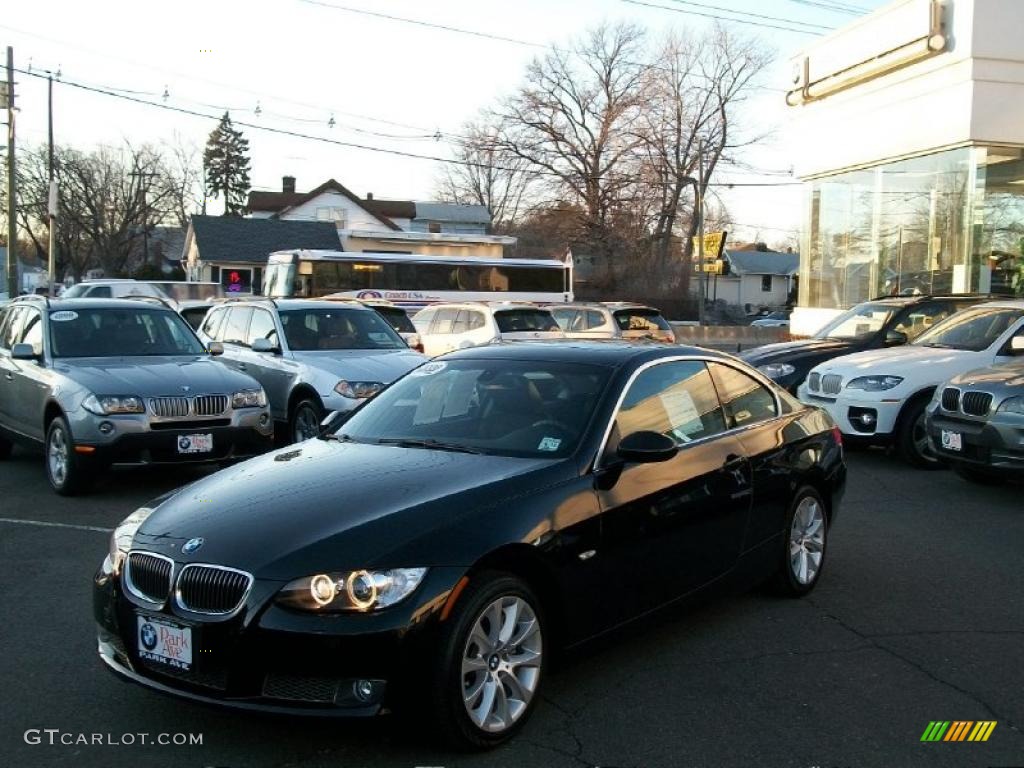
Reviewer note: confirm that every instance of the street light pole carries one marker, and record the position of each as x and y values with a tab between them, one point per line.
700	230
51	262
12	229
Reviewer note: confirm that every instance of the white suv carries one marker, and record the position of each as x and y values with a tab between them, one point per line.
880	395
446	327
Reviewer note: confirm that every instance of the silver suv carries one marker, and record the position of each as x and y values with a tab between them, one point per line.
612	320
119	381
312	357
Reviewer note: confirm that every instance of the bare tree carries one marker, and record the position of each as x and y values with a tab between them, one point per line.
182	176
573	124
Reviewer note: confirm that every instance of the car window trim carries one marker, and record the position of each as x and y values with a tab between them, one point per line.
596	463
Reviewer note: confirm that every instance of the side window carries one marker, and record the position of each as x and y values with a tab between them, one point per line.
476	320
578	321
915	321
32	329
262	327
745	400
99	292
443	321
563	317
594	319
677	399
461	323
213	322
236	327
11	326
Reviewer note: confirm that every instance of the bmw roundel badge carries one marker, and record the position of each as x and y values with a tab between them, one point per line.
192	545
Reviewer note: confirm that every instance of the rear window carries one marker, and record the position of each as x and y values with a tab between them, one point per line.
397	319
517	320
640	320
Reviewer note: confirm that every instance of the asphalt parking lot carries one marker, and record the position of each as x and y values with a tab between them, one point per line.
919	616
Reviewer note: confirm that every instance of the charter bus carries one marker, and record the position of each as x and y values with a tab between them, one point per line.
414	281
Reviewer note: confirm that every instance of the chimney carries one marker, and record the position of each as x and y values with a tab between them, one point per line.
288	185
369	195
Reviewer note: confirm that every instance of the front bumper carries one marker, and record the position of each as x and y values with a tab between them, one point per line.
997	443
279	661
858	414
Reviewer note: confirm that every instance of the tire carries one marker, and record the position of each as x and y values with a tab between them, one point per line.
978	476
475	656
912	437
804	545
304	420
66	470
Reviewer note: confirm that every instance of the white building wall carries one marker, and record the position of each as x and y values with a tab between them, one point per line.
356	217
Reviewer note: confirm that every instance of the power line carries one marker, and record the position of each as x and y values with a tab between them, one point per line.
751	23
752	15
834	7
107	91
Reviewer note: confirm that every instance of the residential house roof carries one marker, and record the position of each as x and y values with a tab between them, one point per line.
281	202
392	209
762	262
233	239
450	212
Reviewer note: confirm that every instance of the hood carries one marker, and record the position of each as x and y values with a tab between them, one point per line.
804	349
920	365
995	379
324	505
153	376
383	365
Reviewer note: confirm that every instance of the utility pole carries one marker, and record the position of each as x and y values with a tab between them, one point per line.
144	177
700	230
51	262
12	229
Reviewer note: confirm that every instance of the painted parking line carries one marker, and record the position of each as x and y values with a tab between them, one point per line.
43	524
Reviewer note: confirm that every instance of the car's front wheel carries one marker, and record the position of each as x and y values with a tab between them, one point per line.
64	468
492	660
805	541
305	420
912	437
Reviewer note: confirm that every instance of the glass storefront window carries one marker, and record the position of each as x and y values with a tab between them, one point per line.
999	227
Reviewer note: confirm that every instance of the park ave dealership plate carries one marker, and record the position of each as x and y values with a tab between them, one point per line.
195	443
952	441
165	642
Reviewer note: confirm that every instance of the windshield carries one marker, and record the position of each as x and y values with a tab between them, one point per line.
517	320
529	409
121	333
861	322
640	320
338	328
973	329
397	319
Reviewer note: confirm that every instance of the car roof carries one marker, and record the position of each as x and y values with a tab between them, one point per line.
902	301
147	302
494	306
611	353
287	304
1002	304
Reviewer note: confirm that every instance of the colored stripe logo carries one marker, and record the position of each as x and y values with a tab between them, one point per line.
958	730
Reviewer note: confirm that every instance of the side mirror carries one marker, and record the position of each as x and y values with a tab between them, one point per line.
895	338
23	352
332	421
215	348
647	447
264	345
1016	345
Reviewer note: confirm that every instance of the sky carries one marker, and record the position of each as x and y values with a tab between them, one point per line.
388	84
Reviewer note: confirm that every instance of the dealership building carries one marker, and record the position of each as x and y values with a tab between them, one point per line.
911	128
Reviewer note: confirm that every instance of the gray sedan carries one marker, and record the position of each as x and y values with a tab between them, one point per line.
110	381
976	422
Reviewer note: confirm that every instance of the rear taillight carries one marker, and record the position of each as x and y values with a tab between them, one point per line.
837	435
418	346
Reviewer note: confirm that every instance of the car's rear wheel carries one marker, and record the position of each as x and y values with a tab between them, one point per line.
305	420
912	437
805	542
492	659
978	476
64	468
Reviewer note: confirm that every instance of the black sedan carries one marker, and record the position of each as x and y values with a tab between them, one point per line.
431	551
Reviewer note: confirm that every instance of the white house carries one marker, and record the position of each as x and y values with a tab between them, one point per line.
755	279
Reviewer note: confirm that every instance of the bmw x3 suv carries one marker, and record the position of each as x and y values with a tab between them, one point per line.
312	357
119	381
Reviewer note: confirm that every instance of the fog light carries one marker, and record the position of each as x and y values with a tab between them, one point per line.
106	427
863	419
264	419
363	689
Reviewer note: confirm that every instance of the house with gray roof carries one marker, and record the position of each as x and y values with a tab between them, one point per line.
755	279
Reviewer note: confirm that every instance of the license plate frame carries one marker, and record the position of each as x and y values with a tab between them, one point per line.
164	642
951	440
201	442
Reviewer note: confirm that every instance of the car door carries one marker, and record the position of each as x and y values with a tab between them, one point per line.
32	379
234	335
270	369
10	324
673	526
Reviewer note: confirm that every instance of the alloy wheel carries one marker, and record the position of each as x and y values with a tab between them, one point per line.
920	438
57	456
807	540
306	424
501	664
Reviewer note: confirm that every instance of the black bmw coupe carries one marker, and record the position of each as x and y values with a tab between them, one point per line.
432	550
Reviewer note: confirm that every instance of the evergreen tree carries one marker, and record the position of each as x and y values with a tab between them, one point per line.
226	161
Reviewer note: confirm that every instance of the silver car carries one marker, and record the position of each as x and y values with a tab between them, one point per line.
975	421
312	357
612	320
119	381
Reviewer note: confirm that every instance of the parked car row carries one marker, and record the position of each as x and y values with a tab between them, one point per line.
954	394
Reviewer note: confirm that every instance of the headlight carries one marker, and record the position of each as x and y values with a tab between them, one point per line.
875	383
776	370
351	590
358	390
1012	405
104	405
249	398
121	538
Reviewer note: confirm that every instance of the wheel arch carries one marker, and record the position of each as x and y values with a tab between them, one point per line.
925	393
50	412
303	392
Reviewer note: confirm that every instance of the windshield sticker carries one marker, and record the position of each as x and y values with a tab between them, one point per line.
431	402
63	316
549	444
429	369
681	411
